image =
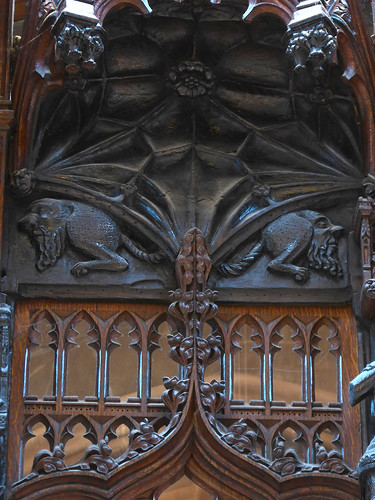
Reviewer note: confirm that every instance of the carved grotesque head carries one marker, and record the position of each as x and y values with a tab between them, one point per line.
22	182
45	223
323	252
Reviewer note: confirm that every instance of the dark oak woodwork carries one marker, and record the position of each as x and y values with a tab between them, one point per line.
265	415
212	148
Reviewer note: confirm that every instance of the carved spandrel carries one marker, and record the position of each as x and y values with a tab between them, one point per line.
303	234
51	224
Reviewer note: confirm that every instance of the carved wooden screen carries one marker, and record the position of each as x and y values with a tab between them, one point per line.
216	149
94	397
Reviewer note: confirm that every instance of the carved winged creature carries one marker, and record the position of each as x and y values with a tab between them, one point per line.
290	237
52	223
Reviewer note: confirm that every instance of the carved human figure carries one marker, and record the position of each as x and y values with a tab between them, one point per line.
290	237
52	223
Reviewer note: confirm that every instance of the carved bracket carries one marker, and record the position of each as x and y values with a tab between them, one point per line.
79	46
79	38
193	301
312	38
193	305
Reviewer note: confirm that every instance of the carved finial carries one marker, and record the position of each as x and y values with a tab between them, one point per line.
46	461
193	300
98	457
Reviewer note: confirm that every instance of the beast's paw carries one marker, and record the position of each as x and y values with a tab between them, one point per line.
301	275
79	270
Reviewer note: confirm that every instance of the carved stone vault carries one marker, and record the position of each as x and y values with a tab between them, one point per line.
213	148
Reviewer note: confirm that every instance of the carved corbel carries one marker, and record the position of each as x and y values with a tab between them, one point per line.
364	221
79	37
312	38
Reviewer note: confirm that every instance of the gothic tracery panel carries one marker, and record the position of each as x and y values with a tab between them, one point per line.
287	434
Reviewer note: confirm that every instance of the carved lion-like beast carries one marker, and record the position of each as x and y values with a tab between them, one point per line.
291	237
52	223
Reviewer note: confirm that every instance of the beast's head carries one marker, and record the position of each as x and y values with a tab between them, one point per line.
45	223
323	252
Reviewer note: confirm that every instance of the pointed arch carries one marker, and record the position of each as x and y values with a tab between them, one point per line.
81	381
327	442
41	351
160	364
290	436
247	355
123	340
326	361
34	438
287	343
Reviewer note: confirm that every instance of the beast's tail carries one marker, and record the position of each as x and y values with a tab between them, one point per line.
244	263
153	257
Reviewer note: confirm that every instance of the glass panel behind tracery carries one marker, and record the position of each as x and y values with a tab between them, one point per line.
161	363
286	372
41	353
247	366
81	377
35	443
123	363
325	368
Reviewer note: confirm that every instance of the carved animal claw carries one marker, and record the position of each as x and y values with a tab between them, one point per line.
302	275
79	270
